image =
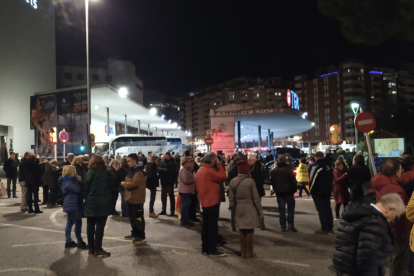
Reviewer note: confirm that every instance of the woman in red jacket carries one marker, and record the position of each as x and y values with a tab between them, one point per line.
340	188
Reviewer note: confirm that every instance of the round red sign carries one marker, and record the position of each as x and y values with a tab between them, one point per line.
63	136
209	141
365	122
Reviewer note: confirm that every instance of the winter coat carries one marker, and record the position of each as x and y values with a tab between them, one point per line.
120	177
243	194
167	171
153	179
10	167
66	163
186	182
357	176
135	186
386	185
283	180
32	174
321	178
364	242
99	187
340	187
51	176
71	190
303	175
232	173
378	163
269	158
80	171
22	175
258	178
207	183
410	216
114	174
349	158
406	177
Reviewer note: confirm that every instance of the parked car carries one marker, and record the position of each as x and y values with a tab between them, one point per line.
269	166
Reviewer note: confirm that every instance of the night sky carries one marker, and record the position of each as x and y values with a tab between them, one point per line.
181	45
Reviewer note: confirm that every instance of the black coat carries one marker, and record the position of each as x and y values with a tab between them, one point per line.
168	172
80	170
33	174
283	180
259	180
51	176
114	174
10	167
321	178
22	176
66	163
269	158
152	176
363	241
358	175
234	171
121	175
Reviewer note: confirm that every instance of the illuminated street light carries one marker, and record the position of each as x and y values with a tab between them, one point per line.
169	121
162	116
123	92
153	111
313	123
304	115
355	109
96	107
174	124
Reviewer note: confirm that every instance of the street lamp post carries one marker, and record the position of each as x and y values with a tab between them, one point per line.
355	108
88	89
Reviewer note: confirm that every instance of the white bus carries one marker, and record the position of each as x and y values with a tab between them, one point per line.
131	143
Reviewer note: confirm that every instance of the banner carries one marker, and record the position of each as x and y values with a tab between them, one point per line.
223	134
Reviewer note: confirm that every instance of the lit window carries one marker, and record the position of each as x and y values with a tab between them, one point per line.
280	94
372	97
257	94
362	71
245	95
275	93
214	103
349	70
394	92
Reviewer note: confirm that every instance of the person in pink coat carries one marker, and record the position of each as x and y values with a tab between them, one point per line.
340	188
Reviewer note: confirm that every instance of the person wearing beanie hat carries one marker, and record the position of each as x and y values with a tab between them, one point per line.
284	183
245	203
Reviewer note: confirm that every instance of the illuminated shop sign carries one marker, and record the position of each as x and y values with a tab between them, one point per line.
292	99
33	3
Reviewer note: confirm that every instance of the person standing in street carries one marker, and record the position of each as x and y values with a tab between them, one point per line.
303	177
358	174
121	175
385	183
43	163
377	161
186	188
152	183
53	173
10	167
364	241
246	202
22	182
99	187
285	185
134	193
256	172
321	179
340	188
69	159
269	157
33	175
167	171
207	183
113	169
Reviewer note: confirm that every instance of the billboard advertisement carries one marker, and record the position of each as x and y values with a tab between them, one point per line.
65	111
223	135
390	147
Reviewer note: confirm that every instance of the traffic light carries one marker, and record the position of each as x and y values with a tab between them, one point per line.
335	130
82	146
53	135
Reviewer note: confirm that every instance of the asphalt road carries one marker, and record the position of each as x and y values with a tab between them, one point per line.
34	245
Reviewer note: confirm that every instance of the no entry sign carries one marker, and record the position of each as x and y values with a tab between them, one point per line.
63	136
209	141
365	122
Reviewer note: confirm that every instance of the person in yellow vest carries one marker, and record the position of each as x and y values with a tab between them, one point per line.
303	177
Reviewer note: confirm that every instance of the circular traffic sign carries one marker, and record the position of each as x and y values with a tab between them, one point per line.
365	122
63	136
209	132
209	141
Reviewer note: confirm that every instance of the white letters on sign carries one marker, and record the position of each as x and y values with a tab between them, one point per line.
33	3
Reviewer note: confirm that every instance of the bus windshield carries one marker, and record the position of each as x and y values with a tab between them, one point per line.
101	148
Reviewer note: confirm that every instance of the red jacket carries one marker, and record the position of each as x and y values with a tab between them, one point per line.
406	177
207	183
386	185
340	187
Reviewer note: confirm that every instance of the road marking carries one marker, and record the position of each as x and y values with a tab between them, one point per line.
53	218
33	244
45	271
289	263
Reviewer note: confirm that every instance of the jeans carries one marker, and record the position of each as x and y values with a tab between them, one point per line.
115	198
9	182
136	218
23	202
32	191
53	196
401	255
74	218
45	193
167	189
323	206
282	201
188	208
124	205
152	198
357	196
304	186
95	231
209	228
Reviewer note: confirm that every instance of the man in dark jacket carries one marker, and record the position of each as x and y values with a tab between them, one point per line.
364	241
358	174
167	171
348	157
33	181
285	185
22	182
269	157
10	167
321	178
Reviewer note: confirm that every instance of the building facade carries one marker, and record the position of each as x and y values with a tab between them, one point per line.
328	93
27	65
257	92
117	73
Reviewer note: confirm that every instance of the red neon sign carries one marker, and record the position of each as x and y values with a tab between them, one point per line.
288	98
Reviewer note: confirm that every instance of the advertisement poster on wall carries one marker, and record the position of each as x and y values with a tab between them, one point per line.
43	117
223	134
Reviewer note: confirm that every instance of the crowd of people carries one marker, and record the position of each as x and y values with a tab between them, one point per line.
376	219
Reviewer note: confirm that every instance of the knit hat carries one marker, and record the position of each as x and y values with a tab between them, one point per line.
243	167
